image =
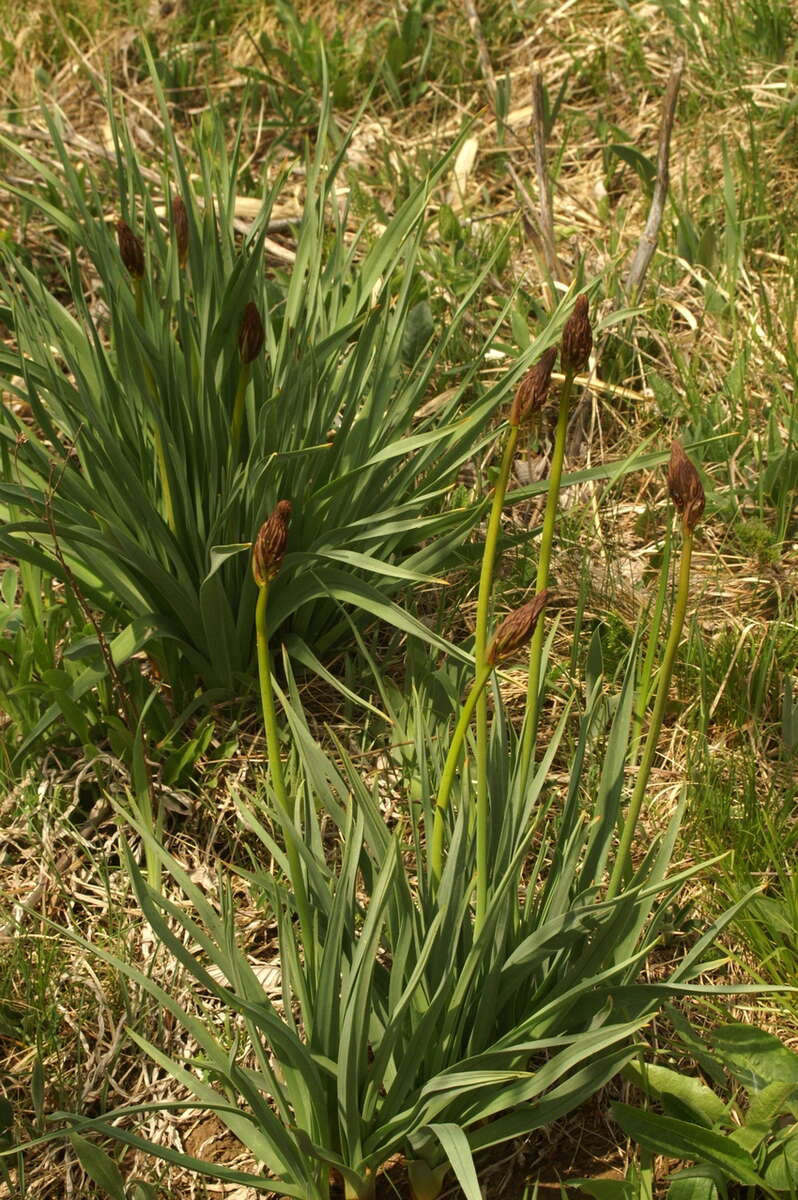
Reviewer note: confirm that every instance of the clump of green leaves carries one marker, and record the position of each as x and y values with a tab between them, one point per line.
153	460
738	1125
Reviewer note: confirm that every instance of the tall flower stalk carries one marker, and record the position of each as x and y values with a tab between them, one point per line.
513	633
267	558
688	499
577	342
528	400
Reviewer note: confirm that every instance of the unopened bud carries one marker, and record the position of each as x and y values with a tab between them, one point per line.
531	393
269	545
130	249
251	334
180	228
684	485
516	629
577	339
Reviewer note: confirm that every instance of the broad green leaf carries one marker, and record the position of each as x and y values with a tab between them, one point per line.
694	1186
755	1056
681	1139
98	1166
771	1102
781	1165
705	1105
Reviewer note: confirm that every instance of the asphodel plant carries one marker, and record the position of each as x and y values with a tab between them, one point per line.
404	1027
205	383
515	631
577	342
267	559
529	399
530	396
687	494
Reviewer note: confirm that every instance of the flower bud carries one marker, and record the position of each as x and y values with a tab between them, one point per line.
130	249
269	546
684	485
516	629
577	339
251	334
531	393
180	228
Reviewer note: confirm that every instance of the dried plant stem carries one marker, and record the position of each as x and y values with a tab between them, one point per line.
648	239
544	182
650	748
546	540
237	421
485	65
277	776
449	770
480	645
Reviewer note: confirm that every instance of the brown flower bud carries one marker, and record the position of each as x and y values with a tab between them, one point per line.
684	485
250	334
516	629
180	228
130	249
531	393
577	338
269	546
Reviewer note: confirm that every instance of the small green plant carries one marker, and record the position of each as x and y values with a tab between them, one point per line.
738	1125
758	540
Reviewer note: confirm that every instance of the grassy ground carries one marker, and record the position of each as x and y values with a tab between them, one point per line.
710	356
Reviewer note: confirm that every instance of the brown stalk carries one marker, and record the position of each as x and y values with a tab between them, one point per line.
650	235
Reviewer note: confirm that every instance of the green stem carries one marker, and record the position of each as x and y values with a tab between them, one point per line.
644	688
160	457
480	646
278	779
546	540
138	292
650	748
237	421
449	769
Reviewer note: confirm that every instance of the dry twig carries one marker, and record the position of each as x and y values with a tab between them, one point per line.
648	239
544	183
